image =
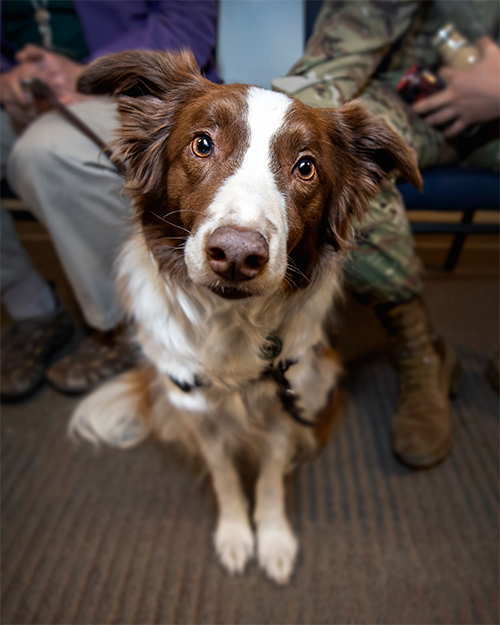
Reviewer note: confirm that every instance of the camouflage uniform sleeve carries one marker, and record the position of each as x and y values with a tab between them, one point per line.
349	41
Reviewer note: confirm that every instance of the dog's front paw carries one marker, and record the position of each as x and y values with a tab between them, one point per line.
277	550
234	543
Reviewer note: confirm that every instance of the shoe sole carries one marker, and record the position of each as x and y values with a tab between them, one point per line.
8	399
428	462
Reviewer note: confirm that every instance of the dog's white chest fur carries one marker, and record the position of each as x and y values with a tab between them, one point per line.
190	333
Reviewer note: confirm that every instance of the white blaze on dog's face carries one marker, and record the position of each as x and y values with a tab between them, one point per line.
248	210
238	189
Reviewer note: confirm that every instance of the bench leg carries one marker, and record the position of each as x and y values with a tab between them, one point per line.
458	242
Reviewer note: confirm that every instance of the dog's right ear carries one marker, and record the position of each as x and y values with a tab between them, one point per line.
149	87
138	73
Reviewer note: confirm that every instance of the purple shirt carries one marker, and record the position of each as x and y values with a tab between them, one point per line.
116	25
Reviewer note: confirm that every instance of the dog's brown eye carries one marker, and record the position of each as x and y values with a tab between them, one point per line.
202	146
305	169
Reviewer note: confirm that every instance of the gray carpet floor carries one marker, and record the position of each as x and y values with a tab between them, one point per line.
126	537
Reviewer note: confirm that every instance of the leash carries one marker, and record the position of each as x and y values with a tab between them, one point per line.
41	91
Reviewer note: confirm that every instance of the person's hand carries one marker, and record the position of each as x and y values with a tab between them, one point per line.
59	72
471	96
18	103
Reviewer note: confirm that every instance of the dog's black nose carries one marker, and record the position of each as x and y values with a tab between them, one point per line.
236	255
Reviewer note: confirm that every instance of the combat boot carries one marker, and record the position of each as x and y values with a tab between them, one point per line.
428	374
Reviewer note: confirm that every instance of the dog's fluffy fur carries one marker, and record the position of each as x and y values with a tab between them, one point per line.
214	170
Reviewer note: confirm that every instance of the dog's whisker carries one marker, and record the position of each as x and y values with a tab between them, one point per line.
293	268
184	210
291	283
169	222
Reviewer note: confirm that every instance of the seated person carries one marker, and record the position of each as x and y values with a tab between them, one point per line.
361	50
71	187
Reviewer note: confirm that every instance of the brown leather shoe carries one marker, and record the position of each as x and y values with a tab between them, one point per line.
428	374
100	356
27	348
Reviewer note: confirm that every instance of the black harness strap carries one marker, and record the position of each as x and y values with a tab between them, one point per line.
186	386
287	395
285	392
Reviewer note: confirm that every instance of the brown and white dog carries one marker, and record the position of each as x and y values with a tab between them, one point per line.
244	199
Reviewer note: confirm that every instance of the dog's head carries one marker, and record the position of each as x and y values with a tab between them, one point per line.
239	189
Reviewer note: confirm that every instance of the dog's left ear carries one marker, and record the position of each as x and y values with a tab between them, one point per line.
369	151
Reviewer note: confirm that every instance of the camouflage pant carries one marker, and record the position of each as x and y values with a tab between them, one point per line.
383	267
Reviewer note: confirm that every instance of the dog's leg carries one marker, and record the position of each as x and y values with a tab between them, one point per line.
234	540
276	543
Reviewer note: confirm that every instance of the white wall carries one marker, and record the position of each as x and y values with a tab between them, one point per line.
259	39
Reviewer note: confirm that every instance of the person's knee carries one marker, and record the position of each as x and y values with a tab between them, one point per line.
37	154
43	153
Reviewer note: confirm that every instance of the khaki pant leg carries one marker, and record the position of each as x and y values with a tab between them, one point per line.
15	262
75	191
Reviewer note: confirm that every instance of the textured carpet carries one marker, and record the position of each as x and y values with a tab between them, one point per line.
126	537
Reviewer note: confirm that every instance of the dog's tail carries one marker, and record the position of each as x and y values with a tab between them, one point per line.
116	413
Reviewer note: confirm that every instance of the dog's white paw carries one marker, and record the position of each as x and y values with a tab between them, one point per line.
234	543
277	550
